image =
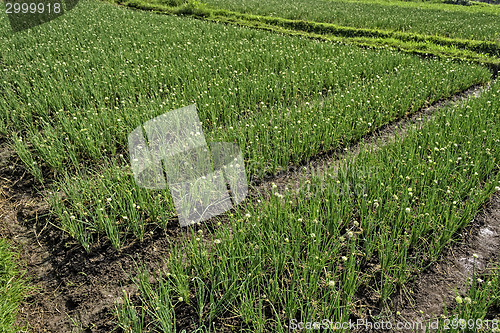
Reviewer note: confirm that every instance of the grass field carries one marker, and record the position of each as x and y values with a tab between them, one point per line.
341	247
13	287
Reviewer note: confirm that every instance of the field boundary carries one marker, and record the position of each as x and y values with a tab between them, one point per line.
480	52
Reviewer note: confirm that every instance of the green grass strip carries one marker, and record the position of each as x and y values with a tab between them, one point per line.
472	22
481	51
13	288
424	46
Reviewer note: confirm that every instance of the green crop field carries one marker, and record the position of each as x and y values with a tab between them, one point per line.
340	247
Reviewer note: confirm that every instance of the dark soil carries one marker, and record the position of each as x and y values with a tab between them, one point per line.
437	287
76	291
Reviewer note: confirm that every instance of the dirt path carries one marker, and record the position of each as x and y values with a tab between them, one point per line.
438	286
76	291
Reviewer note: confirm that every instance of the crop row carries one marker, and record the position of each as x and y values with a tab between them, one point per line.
315	255
71	98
